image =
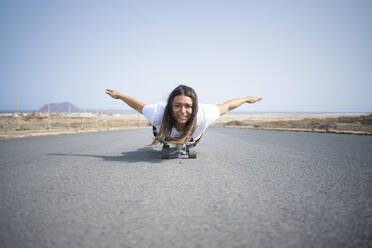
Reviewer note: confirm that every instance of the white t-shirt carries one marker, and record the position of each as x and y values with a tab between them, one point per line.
207	114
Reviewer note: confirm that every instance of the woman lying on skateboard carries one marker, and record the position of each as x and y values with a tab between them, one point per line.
182	119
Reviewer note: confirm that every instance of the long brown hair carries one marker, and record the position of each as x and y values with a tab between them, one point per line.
169	122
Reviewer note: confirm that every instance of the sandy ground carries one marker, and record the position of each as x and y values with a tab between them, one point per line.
280	117
35	133
130	121
341	123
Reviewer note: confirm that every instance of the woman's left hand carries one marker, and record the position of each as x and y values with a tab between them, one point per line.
253	99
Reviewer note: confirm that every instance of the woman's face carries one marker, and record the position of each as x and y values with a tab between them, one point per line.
182	109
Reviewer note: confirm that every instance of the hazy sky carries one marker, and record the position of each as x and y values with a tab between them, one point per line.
313	55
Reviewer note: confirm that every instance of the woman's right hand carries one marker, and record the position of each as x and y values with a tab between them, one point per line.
113	93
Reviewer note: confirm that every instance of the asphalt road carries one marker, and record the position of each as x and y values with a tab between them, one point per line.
247	188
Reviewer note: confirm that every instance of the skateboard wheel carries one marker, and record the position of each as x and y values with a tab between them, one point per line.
192	153
165	153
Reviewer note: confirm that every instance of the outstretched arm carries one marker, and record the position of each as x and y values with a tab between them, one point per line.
234	103
132	102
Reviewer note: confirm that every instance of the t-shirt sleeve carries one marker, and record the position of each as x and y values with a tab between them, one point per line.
154	113
210	113
207	114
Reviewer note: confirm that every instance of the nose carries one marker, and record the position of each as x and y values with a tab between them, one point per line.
183	109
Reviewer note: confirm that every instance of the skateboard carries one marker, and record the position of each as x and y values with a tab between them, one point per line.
184	150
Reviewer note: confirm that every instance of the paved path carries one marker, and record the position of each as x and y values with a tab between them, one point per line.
247	188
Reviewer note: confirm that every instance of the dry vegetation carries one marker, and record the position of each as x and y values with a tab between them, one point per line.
336	123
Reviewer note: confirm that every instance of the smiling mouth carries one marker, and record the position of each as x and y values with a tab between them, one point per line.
182	117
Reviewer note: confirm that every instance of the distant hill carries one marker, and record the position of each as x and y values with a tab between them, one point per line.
60	108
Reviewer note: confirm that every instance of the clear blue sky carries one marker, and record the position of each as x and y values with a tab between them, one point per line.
313	55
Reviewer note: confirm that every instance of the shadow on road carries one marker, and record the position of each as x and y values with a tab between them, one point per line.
146	154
